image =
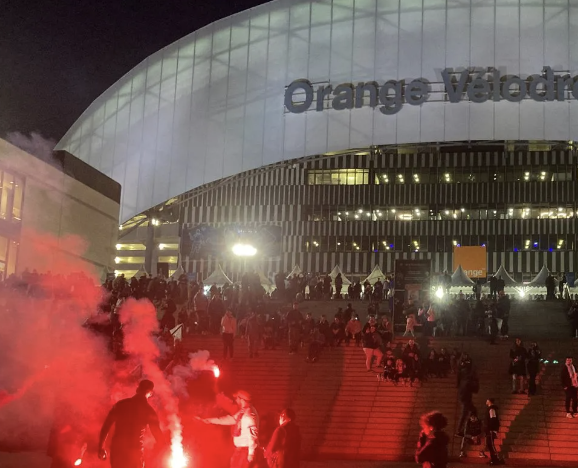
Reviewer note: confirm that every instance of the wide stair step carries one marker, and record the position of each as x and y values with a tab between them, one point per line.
345	412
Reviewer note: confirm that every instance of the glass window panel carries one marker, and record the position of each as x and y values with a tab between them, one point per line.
3	248
17	205
5	198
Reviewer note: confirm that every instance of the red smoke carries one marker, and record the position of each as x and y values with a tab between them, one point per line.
52	366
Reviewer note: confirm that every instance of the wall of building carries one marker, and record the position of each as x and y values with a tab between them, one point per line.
520	203
62	221
212	104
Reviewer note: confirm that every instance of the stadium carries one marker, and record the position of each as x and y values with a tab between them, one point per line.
349	133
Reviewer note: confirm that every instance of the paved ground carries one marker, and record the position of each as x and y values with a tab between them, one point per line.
31	460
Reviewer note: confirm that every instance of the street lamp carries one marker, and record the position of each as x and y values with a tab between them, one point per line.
244	250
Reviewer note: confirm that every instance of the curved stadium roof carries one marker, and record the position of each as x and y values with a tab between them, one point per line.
211	105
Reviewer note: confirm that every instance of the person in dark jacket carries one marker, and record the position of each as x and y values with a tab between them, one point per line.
130	418
534	357
372	347
432	445
284	448
492	426
517	370
472	433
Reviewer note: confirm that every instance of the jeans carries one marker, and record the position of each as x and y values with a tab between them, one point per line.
571	397
369	353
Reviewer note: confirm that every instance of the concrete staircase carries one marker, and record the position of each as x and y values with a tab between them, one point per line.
345	412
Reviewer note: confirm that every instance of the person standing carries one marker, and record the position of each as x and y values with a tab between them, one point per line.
228	330
432	445
518	356
534	357
492	426
284	448
245	424
294	320
467	385
130	417
253	332
570	384
372	346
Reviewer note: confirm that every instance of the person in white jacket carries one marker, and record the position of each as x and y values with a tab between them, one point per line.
245	430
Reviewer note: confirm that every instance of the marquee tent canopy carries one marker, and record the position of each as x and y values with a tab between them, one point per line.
336	270
295	271
540	279
217	277
141	271
376	274
265	282
178	272
508	280
459	278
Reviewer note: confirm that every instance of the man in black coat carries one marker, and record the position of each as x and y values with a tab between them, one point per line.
517	370
284	448
570	384
130	418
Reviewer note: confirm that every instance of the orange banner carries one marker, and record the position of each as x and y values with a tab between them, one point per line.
472	259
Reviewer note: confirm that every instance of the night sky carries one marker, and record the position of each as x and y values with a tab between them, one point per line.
57	56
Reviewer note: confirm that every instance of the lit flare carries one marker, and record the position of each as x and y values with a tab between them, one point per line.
216	372
178	458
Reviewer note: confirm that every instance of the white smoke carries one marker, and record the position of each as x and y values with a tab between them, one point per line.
34	144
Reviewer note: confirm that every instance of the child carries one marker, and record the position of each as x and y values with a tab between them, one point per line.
410	325
389	372
400	372
472	433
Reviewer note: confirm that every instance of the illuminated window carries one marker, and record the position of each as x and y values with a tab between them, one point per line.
17	204
6	195
130	247
338	177
122	260
168	259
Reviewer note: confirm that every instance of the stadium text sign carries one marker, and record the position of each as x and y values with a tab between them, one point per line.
480	85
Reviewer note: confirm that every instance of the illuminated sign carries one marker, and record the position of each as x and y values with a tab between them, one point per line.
479	85
473	260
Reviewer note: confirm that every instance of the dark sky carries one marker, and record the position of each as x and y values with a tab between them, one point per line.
57	56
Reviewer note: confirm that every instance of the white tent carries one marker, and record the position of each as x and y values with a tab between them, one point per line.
141	271
376	274
508	280
217	277
295	271
268	286
336	270
459	278
178	272
540	279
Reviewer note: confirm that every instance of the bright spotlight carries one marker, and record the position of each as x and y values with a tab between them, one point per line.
522	294
244	250
440	292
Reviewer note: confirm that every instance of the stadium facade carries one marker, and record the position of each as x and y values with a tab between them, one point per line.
363	130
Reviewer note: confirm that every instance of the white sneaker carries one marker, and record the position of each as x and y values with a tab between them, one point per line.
569	415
